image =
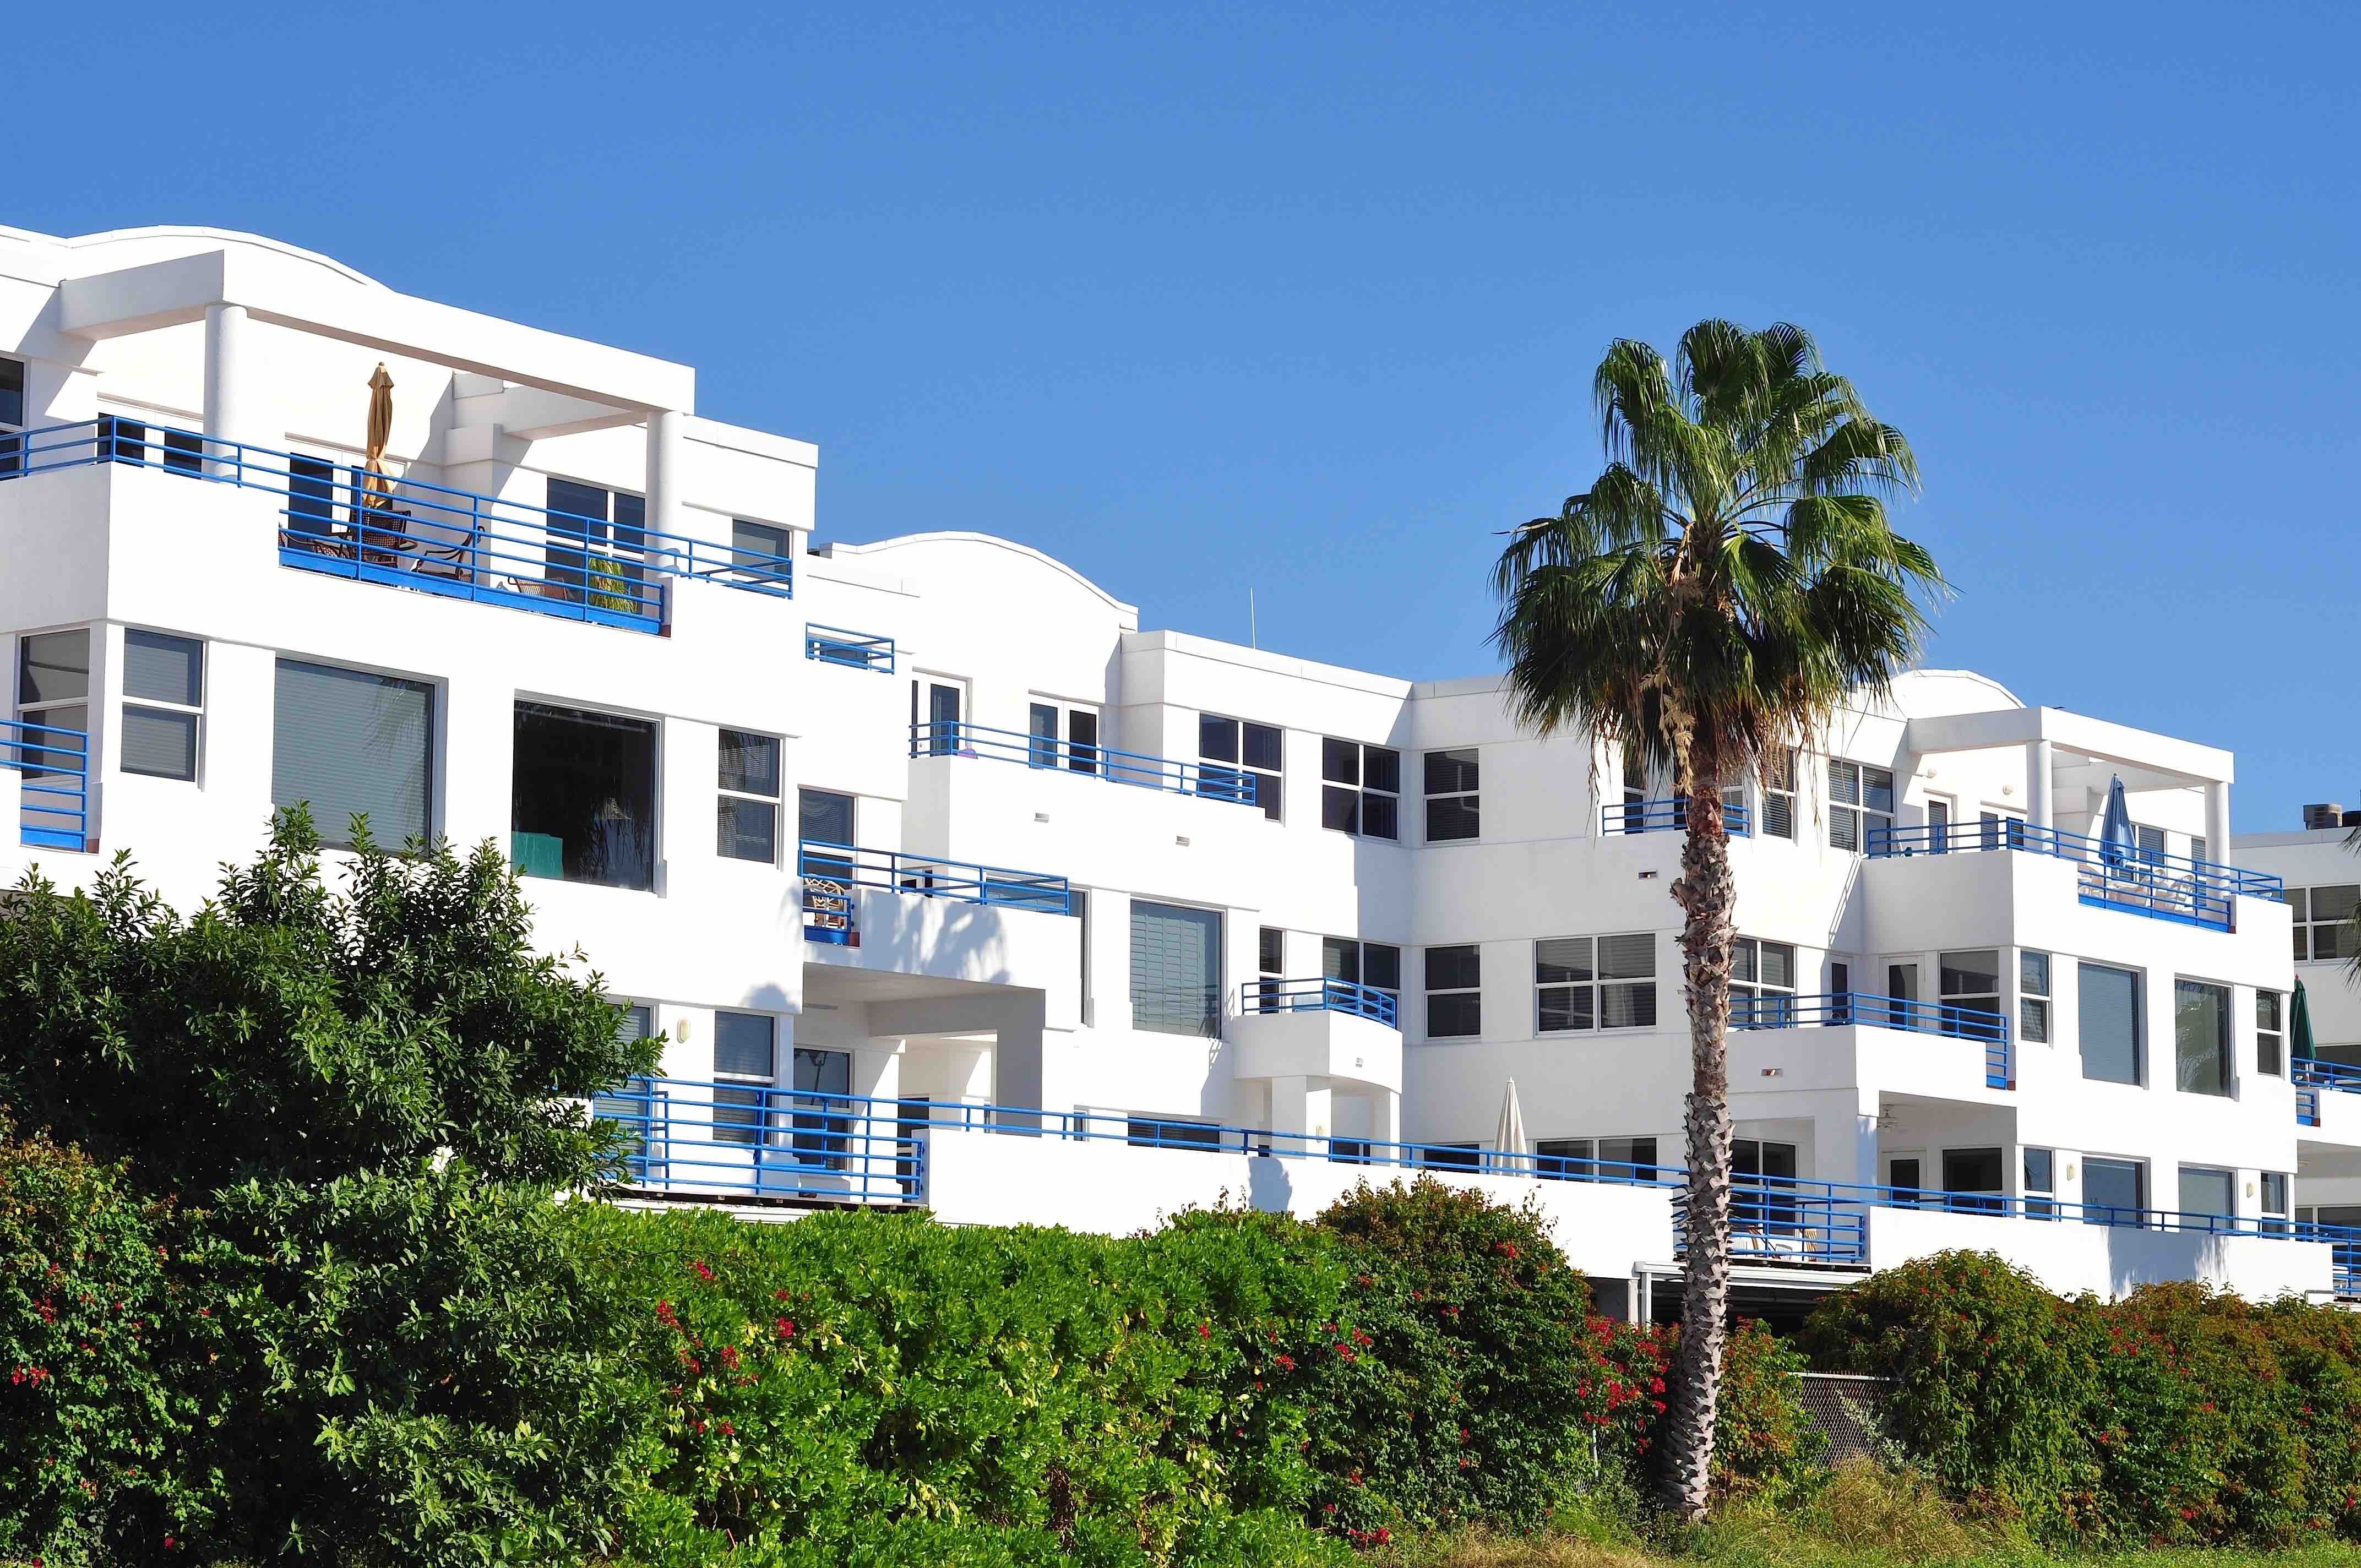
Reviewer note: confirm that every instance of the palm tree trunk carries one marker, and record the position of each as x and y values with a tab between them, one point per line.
1705	893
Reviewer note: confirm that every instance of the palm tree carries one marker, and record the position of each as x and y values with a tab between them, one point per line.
1707	603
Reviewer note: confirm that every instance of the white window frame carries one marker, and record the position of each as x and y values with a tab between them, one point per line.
1360	949
1579	977
776	800
2034	998
1746	959
1428	797
176	710
1065	746
1356	789
1851	818
1426	961
751	1133
2301	902
1274	805
1778	790
2271	1025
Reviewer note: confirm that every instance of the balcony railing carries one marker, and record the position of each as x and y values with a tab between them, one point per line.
757	1141
957	737
706	1138
1773	1010
53	796
2310	1075
408	533
929	876
856	649
1667	816
1323	996
2109	876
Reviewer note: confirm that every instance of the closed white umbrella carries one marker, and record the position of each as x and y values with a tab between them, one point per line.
1511	1137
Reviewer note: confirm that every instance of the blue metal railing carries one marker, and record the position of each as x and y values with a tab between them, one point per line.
1773	1010
758	1141
722	1137
930	876
2307	1105
857	650
1667	816
2164	887
2323	1074
53	796
1323	996
957	737
408	533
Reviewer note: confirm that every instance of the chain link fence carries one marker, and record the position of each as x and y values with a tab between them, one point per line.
1849	1409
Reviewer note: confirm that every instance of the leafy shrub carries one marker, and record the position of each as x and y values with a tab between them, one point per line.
2175	1415
1765	1447
1493	1392
100	1431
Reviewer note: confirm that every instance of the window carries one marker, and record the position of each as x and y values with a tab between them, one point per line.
1259	747
747	814
1779	793
1938	823
1971	1179
2033	1005
583	803
53	692
2275	1202
630	1107
2323	921
1080	749
760	547
2270	1038
1861	802
1451	1156
1592	1159
1907	1176
1158	1132
1762	981
2196	847
310	496
1595	982
745	1050
1079	902
1374	964
596	537
1454	996
2040	1183
1271	965
2200	1038
1176	969
2210	1193
1451	796
12	413
2114	1191
1998	829
824	816
160	740
1970	987
2109	1018
354	743
823	1131
1360	789
2149	844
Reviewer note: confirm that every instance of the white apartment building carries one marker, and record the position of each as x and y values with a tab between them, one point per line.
949	884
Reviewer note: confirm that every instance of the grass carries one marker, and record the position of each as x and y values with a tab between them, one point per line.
1863	1518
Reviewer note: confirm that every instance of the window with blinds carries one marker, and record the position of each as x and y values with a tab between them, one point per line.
164	702
1454	806
1779	793
1594	982
351	743
1176	969
2109	1020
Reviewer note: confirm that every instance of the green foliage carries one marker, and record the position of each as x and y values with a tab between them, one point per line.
1766	1448
1476	1384
290	1031
2175	1415
103	1435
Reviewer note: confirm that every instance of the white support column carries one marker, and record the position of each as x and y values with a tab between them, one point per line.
664	470
226	383
1299	1106
1385	1116
2217	821
2039	757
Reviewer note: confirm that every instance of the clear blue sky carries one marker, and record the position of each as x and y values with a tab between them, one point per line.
1307	299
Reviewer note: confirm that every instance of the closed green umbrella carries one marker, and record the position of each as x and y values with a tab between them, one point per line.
2299	1025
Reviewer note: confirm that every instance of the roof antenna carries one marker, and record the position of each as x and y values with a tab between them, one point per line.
1253	635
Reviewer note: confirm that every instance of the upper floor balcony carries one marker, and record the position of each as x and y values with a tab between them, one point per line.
2137	881
957	737
1667	816
1840	1010
399	532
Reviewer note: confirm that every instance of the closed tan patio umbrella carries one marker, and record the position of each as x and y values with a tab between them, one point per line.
378	485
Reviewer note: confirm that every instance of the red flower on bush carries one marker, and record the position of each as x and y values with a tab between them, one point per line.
1286	1362
697	1267
785	1328
1205	1330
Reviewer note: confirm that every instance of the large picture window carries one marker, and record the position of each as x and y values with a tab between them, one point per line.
1861	802
1176	969
1360	788
2109	1019
582	807
351	743
2200	1031
1258	748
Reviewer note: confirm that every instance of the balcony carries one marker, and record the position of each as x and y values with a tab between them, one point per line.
2312	1077
407	533
2107	876
853	650
1667	816
1321	1029
1859	1009
956	738
754	1141
930	876
53	791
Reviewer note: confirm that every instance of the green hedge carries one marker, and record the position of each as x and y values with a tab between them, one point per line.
2173	1415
